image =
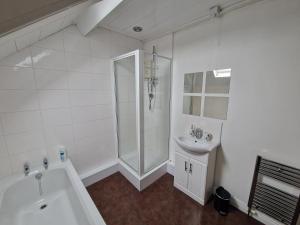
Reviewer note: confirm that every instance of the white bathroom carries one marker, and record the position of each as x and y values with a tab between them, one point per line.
147	112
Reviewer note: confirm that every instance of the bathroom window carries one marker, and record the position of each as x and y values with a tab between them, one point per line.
207	94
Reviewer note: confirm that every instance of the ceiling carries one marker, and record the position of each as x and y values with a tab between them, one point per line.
15	13
157	17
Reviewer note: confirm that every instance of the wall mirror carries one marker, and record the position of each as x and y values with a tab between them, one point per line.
192	105
193	82
212	100
217	83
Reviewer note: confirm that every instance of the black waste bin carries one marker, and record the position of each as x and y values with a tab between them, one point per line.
222	199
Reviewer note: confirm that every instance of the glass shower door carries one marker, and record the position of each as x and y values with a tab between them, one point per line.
143	90
157	93
126	111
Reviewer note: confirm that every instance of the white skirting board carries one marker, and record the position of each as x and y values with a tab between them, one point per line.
99	173
171	168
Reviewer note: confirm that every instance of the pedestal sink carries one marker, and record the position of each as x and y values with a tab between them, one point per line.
196	146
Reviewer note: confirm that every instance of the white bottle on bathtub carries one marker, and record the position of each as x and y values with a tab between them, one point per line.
62	151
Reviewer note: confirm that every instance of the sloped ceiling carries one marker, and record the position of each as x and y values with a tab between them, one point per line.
17	13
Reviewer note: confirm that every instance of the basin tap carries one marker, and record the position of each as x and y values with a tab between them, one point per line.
196	132
192	133
45	163
208	137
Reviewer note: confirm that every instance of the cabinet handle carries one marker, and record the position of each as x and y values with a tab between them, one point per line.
191	167
185	166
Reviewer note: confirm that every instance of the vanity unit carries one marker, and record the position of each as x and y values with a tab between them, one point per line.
205	102
195	166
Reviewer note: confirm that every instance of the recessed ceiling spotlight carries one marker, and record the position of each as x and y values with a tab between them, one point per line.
137	29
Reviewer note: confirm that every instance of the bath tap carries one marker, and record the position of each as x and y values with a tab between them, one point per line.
26	169
38	177
45	163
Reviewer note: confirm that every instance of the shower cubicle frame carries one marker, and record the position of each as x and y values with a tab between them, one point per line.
139	108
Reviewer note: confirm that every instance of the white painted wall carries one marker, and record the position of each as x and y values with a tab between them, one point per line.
163	46
58	92
261	45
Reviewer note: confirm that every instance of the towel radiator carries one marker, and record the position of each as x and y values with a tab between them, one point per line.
271	200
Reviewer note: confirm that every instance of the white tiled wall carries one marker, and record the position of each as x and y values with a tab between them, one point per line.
41	29
58	92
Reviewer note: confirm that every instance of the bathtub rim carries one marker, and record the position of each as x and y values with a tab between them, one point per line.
93	215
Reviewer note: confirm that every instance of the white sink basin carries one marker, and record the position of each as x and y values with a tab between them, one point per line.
196	146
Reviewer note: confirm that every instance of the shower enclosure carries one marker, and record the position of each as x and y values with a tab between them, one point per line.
142	84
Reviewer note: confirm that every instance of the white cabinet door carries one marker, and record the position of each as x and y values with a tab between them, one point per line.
196	178
181	170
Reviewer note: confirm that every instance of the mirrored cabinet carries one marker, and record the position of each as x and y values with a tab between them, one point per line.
207	94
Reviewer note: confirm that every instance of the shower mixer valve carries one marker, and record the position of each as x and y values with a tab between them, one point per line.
152	83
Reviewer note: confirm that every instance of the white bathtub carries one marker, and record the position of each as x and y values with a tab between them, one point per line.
64	200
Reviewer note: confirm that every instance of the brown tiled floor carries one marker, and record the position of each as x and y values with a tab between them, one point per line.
160	204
